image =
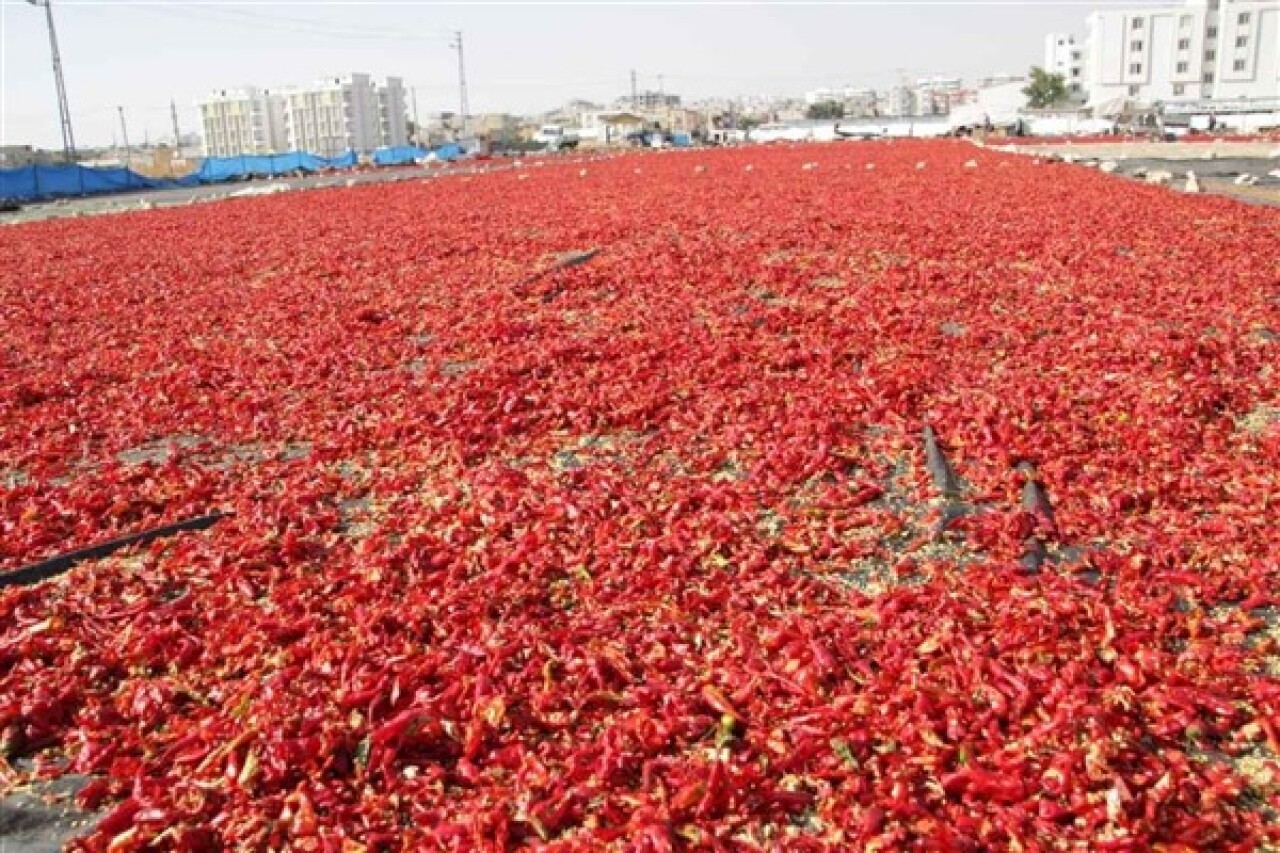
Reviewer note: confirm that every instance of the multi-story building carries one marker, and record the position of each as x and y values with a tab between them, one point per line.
936	96
393	113
339	114
327	118
1205	50
649	101
243	121
1062	55
901	101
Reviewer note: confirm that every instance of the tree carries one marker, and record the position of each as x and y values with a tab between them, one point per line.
825	109
1045	89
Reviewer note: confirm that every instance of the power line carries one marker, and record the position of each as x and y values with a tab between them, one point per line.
293	26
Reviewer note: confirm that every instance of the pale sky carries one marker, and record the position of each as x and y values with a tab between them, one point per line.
521	57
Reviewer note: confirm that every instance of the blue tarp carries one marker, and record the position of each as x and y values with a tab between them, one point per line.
35	182
449	151
217	169
397	155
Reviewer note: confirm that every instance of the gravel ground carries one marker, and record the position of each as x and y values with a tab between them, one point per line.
1216	164
1153	150
148	199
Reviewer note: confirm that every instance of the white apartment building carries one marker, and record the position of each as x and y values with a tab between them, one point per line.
1205	50
243	121
1063	56
338	114
328	118
393	113
900	102
936	96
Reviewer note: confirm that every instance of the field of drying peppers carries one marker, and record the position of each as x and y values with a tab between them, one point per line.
646	549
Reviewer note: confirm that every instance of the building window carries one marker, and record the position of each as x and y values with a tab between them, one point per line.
1244	18
1184	44
1179	89
1135	68
1184	22
1238	65
1075	72
1135	46
1134	90
1208	76
1137	24
1211	33
1242	41
1210	55
1182	67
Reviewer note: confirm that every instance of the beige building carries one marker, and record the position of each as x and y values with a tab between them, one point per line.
243	121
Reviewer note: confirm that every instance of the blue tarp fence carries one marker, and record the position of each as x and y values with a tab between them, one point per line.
217	169
35	182
449	151
31	183
398	155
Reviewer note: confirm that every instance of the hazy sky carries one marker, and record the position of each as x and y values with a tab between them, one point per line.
521	57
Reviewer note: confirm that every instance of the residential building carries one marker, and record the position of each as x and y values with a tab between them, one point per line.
649	101
393	113
1062	55
937	96
353	112
248	120
1204	50
901	101
328	118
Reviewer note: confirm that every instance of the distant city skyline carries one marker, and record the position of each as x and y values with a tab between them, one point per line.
521	57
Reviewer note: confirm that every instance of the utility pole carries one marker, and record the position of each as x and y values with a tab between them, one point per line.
462	85
124	132
633	88
662	90
64	110
417	128
177	134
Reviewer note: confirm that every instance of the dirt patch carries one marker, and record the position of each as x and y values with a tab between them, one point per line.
1259	419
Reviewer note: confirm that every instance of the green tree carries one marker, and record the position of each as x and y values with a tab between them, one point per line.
1045	89
825	109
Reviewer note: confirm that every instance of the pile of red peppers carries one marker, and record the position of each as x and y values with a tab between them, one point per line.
525	554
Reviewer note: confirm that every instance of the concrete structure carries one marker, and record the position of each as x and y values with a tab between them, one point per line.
496	127
1205	50
1062	55
248	120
